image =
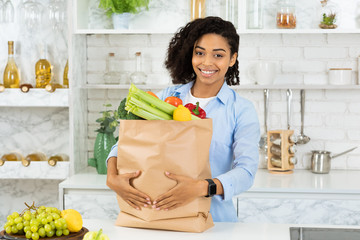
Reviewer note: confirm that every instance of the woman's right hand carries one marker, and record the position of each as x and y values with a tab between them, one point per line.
121	184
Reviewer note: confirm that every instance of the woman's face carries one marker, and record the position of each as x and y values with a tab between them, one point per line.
211	59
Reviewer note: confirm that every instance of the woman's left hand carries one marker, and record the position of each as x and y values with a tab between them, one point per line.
186	190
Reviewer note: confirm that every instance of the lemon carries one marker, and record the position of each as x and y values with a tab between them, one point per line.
182	113
73	219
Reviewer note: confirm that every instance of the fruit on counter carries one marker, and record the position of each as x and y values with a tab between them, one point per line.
93	235
37	222
73	219
182	113
196	110
149	107
175	101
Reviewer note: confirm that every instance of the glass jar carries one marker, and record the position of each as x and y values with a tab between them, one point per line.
254	14
286	16
198	9
329	15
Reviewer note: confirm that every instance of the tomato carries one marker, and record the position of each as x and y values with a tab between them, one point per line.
151	93
175	101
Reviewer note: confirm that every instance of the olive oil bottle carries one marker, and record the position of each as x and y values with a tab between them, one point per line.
11	72
36	156
57	158
13	156
43	69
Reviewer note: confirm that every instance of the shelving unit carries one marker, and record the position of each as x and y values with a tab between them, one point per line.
34	98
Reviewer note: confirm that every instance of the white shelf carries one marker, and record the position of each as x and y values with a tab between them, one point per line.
297	31
34	98
36	170
115	31
244	87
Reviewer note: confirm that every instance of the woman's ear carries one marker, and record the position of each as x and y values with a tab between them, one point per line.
233	59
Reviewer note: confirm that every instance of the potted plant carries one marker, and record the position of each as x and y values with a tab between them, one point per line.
328	21
105	139
121	10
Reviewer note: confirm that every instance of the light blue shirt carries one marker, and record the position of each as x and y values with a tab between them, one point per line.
234	154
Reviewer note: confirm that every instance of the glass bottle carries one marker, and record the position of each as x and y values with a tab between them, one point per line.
13	156
138	77
53	85
66	75
43	69
198	9
11	72
255	14
2	88
286	16
110	77
57	158
277	162
37	156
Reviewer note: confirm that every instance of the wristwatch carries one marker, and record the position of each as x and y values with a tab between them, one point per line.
211	188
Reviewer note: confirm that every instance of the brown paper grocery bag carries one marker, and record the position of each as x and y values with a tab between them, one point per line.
157	146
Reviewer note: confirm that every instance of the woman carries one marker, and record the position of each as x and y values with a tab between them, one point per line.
202	60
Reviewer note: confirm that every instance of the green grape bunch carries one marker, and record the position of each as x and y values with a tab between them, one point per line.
37	222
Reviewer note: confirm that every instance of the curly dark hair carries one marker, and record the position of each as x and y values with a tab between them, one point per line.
180	50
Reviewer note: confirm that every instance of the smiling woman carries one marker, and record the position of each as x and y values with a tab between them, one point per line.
202	60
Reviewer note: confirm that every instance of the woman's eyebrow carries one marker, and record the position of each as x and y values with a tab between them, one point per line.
216	49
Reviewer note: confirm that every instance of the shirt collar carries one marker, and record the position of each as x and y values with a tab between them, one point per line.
222	95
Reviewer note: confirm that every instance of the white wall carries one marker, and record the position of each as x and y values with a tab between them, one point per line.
332	117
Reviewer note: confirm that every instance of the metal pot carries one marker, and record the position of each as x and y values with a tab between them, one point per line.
321	160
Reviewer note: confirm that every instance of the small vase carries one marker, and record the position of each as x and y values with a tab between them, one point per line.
121	21
102	148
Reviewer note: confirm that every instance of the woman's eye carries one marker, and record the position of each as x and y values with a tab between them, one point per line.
218	56
199	53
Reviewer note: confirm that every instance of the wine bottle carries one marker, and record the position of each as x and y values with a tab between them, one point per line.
37	156
11	72
65	76
42	69
13	156
57	158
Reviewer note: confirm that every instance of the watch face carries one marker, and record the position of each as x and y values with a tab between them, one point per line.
212	189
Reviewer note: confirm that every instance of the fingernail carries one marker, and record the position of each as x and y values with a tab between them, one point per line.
149	202
158	209
166	209
145	205
167	173
153	206
138	208
154	202
148	199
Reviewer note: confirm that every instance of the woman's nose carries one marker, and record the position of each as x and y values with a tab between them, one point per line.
207	60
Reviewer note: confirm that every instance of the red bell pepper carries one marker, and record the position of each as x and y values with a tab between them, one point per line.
196	110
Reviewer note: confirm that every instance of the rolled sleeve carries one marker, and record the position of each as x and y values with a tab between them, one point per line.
113	153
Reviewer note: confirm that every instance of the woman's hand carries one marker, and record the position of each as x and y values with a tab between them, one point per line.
186	190
121	184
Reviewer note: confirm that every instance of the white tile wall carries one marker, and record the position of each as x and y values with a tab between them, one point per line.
332	117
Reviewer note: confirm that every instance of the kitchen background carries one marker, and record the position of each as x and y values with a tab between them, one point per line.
332	114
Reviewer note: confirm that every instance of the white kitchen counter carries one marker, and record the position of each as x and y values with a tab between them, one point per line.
228	231
300	198
301	181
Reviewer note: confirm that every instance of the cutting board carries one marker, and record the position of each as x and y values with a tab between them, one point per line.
72	236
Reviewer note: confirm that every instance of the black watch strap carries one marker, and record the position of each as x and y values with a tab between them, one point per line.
211	188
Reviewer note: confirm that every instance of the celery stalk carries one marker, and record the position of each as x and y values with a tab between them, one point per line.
143	105
145	114
159	104
149	107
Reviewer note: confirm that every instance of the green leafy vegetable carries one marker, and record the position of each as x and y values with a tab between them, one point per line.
147	106
123	114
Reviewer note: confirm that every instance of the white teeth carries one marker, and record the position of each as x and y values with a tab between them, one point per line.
207	72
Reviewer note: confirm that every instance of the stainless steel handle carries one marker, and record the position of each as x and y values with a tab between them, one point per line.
266	107
342	153
302	95
289	98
